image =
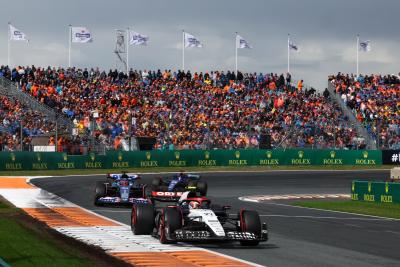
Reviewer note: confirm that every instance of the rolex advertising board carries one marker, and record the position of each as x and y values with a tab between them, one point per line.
370	191
13	161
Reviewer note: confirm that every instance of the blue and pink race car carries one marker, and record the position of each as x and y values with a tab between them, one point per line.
120	189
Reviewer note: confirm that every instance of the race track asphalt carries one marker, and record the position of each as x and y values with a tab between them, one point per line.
298	236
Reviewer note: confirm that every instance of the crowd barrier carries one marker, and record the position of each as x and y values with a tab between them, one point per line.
187	158
385	192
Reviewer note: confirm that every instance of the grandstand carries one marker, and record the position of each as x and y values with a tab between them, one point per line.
374	100
181	110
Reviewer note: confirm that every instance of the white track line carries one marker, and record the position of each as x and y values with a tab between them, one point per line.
323	217
332	211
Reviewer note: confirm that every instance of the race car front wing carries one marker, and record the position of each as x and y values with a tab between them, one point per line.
118	200
188	235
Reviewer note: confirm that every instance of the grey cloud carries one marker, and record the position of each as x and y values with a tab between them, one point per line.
325	30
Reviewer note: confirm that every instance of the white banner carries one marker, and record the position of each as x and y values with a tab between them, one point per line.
365	46
242	43
81	35
44	148
136	38
293	46
191	41
17	35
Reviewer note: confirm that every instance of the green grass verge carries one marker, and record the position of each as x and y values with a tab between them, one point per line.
20	246
388	210
188	169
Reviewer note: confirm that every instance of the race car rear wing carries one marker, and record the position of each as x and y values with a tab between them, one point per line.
118	175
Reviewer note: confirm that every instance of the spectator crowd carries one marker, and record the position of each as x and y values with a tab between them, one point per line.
182	110
375	101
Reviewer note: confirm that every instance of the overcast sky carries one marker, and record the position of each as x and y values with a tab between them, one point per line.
324	30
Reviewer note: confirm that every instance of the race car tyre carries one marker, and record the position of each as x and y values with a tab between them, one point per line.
192	184
156	183
202	188
100	191
250	222
142	219
170	220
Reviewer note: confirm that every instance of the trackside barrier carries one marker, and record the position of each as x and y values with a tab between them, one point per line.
381	192
186	158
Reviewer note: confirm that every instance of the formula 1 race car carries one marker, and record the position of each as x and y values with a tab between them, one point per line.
120	189
171	189
195	219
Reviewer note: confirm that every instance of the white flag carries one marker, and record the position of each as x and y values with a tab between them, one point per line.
191	41
365	46
81	35
242	43
137	38
17	35
293	46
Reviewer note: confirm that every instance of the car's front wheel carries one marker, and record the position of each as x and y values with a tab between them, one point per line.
170	220
142	219
100	191
250	222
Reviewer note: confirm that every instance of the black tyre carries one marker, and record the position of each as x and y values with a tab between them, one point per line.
250	222
202	188
142	219
192	184
170	220
100	191
155	184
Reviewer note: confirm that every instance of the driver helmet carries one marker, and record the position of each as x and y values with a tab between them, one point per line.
194	204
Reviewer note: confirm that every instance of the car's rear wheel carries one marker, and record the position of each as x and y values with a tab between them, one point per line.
142	219
170	220
156	183
202	188
250	222
100	191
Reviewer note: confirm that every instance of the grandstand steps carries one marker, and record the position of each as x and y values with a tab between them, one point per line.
8	89
361	131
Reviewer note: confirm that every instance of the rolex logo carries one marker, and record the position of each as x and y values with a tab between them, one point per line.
369	187
333	154
268	154
148	155
12	156
353	186
206	155
92	156
386	187
237	154
65	156
301	154
177	155
119	156
365	154
38	157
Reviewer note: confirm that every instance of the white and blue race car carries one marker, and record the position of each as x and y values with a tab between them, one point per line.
120	189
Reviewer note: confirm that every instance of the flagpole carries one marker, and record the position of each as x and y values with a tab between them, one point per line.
358	41
8	45
69	46
127	50
183	50
288	53
236	54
